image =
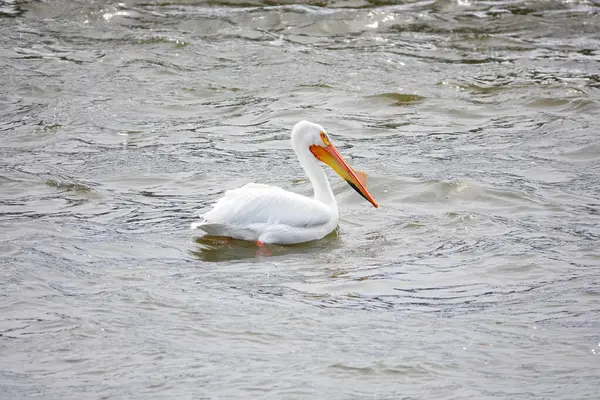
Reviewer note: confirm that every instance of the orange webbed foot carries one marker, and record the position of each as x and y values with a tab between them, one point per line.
262	249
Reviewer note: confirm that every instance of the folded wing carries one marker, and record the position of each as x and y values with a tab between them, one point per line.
263	204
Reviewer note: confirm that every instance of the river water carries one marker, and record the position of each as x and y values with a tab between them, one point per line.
477	121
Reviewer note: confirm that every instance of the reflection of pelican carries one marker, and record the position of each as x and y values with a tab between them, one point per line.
219	249
270	214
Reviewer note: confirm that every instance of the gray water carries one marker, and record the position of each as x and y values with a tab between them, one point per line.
477	122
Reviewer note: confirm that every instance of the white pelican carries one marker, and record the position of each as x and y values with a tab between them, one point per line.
268	214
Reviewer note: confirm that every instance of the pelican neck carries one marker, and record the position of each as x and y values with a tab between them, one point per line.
316	175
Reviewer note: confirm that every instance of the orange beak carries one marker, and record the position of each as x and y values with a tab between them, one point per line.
330	156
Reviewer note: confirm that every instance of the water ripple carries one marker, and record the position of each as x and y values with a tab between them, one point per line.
476	122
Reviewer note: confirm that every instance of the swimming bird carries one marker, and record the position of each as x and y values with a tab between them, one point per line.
269	214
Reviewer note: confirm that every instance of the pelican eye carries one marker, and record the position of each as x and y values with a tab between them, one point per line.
325	139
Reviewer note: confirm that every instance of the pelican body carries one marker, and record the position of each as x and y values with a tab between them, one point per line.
269	214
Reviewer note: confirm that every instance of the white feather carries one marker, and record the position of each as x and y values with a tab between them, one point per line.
269	214
272	215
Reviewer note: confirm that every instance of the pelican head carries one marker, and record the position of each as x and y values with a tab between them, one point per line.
313	136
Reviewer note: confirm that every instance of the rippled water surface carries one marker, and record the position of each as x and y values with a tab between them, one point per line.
478	122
